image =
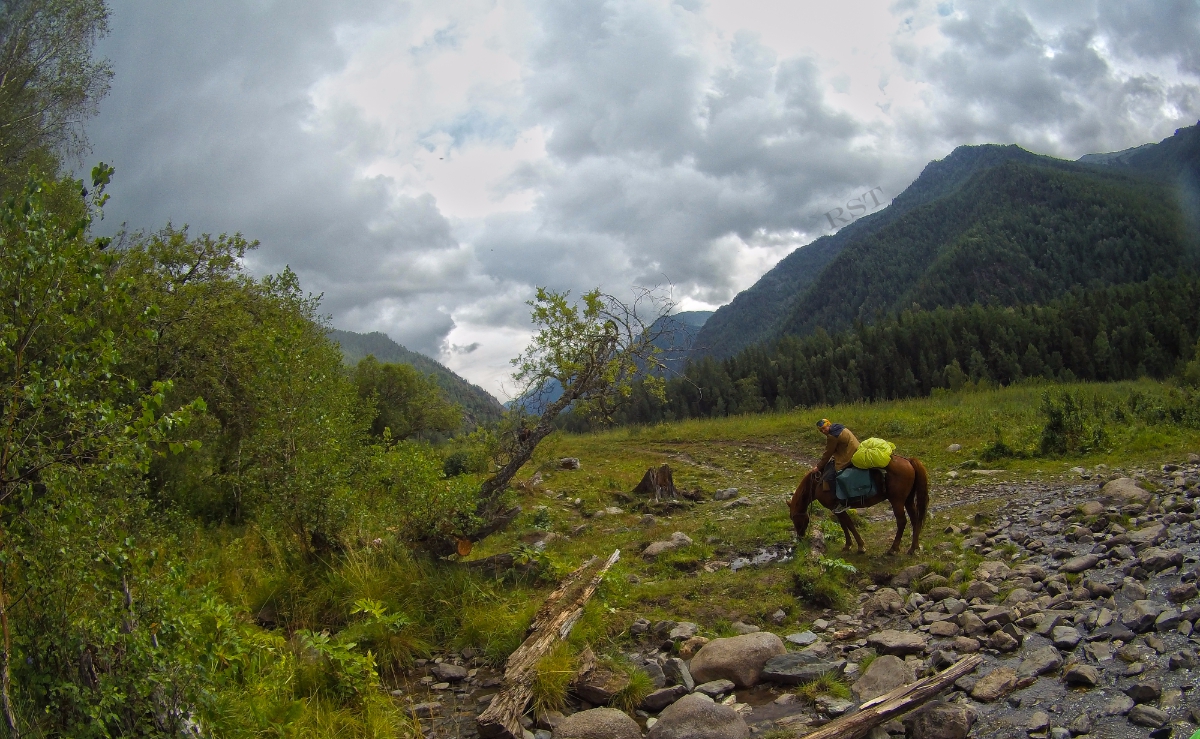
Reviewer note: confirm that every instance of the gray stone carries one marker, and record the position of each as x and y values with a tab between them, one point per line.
683	631
1039	721
1065	637
1144	691
1123	491
900	643
1184	659
715	688
744	628
883	675
726	494
1040	662
1168	620
778	617
676	670
941	593
569	463
940	720
1079	564
994	685
662	698
1018	595
1148	716
944	629
448	673
803	639
983	590
795	668
1081	725
883	602
1152	534
1118	705
658	678
1081	675
1155	559
905	577
831	706
739	658
598	723
599	685
678	540
426	710
1002	641
1182	592
1139	617
696	716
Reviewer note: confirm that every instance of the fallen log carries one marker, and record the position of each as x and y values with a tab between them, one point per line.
553	621
890	705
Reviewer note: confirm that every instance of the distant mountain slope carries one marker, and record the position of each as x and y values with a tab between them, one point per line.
755	314
479	405
1016	233
678	336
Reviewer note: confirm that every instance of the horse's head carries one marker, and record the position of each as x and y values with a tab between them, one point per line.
800	501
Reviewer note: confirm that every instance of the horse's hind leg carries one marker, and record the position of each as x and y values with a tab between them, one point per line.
898	512
910	505
849	527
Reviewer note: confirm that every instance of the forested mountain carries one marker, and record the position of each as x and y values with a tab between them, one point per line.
754	314
477	402
993	224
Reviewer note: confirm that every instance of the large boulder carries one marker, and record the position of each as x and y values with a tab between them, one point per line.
1123	491
883	675
738	658
940	720
696	716
598	723
900	643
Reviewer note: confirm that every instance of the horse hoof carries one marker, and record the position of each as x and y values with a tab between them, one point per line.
862	550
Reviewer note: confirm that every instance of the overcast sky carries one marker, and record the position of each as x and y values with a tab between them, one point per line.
425	165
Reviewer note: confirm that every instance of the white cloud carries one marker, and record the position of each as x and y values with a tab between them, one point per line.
426	164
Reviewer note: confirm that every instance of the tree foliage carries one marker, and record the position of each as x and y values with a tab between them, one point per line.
406	403
1109	333
49	82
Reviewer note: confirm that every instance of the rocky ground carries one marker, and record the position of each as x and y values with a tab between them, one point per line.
1084	608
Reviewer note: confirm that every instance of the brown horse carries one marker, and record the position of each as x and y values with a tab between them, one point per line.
907	490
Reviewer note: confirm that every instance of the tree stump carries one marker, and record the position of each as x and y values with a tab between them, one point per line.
657	482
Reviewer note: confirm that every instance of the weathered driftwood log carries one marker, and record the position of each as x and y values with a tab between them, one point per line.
890	705
657	482
553	622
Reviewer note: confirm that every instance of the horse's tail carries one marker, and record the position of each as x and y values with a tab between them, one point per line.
921	490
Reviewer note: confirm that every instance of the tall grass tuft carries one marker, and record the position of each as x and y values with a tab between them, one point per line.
552	679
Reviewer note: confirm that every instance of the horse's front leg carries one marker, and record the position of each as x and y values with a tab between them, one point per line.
898	511
845	532
850	530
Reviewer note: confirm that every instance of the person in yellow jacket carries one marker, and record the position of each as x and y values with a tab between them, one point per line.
839	451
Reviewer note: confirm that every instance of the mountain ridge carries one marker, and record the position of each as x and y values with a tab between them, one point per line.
479	405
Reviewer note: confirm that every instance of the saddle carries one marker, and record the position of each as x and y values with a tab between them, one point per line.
857	485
